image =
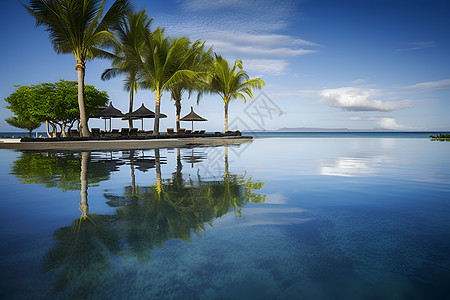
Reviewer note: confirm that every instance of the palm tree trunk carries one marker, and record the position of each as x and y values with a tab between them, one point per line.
130	109
157	112
80	67
84	207
178	108
226	117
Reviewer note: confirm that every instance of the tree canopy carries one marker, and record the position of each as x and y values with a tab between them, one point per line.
29	124
55	103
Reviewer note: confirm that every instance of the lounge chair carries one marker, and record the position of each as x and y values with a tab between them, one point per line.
181	131
74	133
124	132
112	133
95	132
170	131
188	131
133	132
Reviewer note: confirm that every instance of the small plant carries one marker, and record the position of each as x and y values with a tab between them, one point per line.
441	137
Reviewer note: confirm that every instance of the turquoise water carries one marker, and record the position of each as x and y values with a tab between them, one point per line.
278	218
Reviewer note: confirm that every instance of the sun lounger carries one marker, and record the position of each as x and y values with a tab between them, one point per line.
133	132
170	131
112	133
74	133
124	132
95	132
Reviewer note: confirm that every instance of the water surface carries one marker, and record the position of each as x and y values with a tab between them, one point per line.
279	218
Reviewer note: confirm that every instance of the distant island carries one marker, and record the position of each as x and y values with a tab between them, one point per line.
311	129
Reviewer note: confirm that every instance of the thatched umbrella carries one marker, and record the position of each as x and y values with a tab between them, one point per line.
192	116
141	113
108	113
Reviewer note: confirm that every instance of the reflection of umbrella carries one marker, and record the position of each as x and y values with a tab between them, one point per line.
141	113
195	157
192	116
108	113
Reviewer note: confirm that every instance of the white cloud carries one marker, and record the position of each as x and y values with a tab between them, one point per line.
418	46
199	5
242	29
431	85
257	45
358	81
264	215
272	66
390	123
275	199
382	122
255	16
359	99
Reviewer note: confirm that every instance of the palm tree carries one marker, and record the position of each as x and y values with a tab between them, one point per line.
129	35
231	84
77	27
161	65
198	60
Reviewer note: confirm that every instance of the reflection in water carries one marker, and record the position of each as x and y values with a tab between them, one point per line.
144	217
352	166
61	170
195	156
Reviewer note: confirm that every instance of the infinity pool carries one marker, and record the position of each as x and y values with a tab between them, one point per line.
278	218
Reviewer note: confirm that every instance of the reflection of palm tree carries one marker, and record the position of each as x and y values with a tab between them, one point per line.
235	191
133	176
158	170
176	208
82	250
84	207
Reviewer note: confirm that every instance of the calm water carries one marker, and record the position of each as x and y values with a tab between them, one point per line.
279	218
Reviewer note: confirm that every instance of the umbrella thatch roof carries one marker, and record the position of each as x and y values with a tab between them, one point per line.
192	116
109	112
142	112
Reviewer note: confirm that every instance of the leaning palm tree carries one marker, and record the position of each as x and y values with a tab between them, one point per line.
231	84
161	65
197	60
129	41
77	27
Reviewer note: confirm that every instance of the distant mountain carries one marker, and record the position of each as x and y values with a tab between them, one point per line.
310	129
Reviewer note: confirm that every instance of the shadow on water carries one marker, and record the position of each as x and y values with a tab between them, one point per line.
145	217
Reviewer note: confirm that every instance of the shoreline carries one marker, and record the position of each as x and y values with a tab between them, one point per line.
133	144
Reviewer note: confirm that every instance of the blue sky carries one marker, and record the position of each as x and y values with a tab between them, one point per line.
327	64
